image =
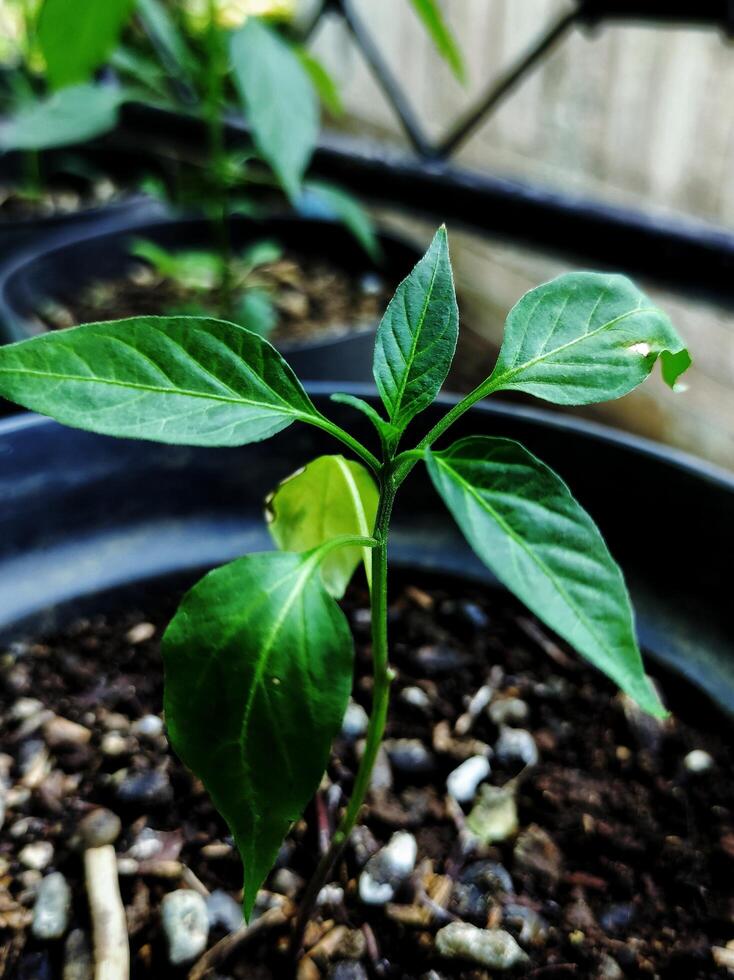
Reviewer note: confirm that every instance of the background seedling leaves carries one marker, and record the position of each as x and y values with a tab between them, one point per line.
188	380
417	337
521	520
279	100
258	663
71	115
586	337
330	497
76	36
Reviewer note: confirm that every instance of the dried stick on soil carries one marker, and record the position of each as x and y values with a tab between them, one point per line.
111	948
221	951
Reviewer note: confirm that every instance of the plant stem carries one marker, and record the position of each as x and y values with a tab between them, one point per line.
218	158
383	677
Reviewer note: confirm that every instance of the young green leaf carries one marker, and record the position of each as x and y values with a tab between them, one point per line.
430	13
187	380
388	433
341	205
329	498
586	337
279	100
167	38
417	337
75	36
324	84
71	115
522	521
258	670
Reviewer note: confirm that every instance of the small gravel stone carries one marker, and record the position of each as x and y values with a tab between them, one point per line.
489	876
33	763
386	870
149	726
474	615
508	711
140	633
469	903
698	761
493	948
381	778
77	957
186	925
435	661
223	911
330	896
533	929
287	882
355	721
25	708
113	744
416	697
494	816
409	755
462	783
149	788
53	907
348	970
37	855
537	853
609	969
98	827
60	732
515	745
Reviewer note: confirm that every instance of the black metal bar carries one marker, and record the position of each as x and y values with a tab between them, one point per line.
505	84
706	12
390	85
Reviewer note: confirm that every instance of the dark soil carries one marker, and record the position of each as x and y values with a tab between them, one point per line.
624	854
311	297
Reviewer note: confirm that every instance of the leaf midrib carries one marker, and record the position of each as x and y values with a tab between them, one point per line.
509	374
154	389
509	530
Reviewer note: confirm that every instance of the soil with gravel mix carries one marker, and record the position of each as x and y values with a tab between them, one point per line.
621	864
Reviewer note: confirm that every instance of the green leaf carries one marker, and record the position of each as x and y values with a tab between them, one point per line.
586	337
326	88
187	380
72	115
347	209
191	268
258	670
166	35
256	312
522	521
279	101
328	498
417	337
76	36
387	432
430	13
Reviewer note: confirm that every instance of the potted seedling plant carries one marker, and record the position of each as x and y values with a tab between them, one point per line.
259	657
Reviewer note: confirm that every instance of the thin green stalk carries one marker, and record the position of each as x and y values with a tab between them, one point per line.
383	677
217	155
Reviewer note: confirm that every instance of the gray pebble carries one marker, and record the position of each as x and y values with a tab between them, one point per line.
515	745
386	870
493	948
99	827
533	929
409	755
149	726
489	876
435	661
53	907
469	903
186	925
474	615
287	882
355	721
416	697
348	970
77	957
149	788
508	711
223	911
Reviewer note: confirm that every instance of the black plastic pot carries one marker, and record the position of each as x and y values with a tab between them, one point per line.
89	523
58	267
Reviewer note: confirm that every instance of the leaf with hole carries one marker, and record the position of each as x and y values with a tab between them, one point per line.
258	670
522	521
188	380
330	497
279	100
417	336
76	36
586	337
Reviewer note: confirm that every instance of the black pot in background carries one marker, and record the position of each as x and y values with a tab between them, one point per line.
60	266
90	523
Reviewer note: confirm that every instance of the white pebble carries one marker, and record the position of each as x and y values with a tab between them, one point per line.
698	761
53	907
149	726
462	783
400	854
113	744
373	892
185	921
331	896
416	697
37	855
516	745
493	948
